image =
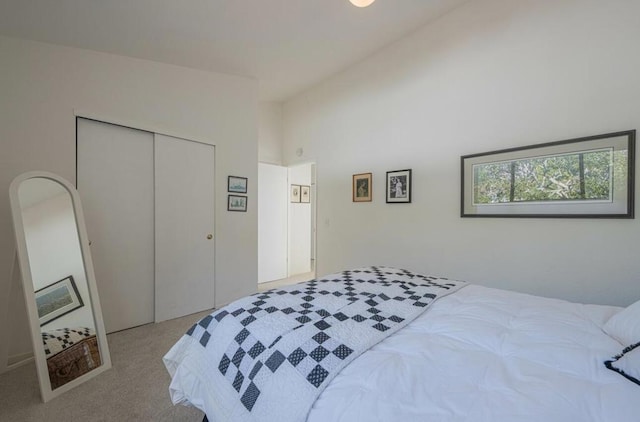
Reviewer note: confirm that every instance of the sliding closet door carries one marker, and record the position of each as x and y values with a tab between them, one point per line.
184	223
115	181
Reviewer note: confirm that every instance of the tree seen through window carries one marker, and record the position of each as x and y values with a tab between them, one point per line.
583	175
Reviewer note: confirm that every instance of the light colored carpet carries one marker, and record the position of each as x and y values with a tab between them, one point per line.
135	389
299	278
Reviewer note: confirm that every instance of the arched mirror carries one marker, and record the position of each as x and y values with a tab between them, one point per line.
70	344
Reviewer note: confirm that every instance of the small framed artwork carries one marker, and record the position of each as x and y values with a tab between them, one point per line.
399	186
295	193
362	187
305	194
237	203
57	299
237	184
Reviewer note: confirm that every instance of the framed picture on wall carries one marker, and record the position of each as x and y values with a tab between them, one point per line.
237	184
362	187
237	203
589	177
295	193
305	194
57	299
399	186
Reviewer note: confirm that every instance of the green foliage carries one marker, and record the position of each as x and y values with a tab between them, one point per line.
585	175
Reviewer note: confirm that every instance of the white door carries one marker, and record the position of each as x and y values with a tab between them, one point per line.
184	223
115	182
273	194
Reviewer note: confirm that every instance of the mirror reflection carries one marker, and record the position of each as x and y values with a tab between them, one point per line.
63	302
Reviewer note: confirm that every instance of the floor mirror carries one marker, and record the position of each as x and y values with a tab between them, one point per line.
67	330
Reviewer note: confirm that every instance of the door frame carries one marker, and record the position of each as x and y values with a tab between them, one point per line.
314	215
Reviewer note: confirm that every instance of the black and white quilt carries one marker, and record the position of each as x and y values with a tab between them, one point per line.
268	356
55	341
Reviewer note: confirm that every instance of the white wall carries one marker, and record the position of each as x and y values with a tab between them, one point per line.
42	85
273	195
270	132
492	74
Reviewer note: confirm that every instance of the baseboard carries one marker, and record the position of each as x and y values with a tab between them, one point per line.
17	361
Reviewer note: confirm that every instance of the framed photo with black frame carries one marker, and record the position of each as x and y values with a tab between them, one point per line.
237	203
237	184
589	177
399	186
57	299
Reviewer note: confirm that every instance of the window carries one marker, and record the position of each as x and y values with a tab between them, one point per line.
580	176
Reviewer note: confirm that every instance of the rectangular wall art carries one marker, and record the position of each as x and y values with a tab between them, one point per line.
399	186
237	203
237	184
57	299
362	187
295	193
590	177
305	194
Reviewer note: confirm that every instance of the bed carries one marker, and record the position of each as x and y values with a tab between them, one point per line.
460	352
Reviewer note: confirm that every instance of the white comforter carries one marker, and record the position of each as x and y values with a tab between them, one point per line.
488	355
481	355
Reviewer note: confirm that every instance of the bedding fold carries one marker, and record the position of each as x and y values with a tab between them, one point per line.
269	356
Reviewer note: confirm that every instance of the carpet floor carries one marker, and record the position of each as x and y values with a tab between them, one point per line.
135	389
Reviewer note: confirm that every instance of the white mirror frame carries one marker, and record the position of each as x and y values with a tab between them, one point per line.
25	270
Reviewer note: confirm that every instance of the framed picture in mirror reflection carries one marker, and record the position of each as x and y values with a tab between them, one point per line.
57	299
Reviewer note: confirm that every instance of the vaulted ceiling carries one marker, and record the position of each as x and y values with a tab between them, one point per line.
288	45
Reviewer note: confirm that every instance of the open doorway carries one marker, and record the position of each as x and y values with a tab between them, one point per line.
286	224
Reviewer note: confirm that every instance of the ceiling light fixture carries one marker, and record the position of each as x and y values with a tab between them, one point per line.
361	3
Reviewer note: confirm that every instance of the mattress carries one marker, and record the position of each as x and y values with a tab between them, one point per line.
490	355
478	354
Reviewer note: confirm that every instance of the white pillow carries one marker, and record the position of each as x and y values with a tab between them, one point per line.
627	363
625	325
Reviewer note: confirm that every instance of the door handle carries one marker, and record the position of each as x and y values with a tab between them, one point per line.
209	236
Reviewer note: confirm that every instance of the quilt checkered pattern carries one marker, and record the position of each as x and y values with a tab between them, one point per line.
266	349
55	341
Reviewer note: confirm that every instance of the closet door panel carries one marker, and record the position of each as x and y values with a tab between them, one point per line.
184	226
115	181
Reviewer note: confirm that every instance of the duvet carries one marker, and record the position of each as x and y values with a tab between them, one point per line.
474	354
